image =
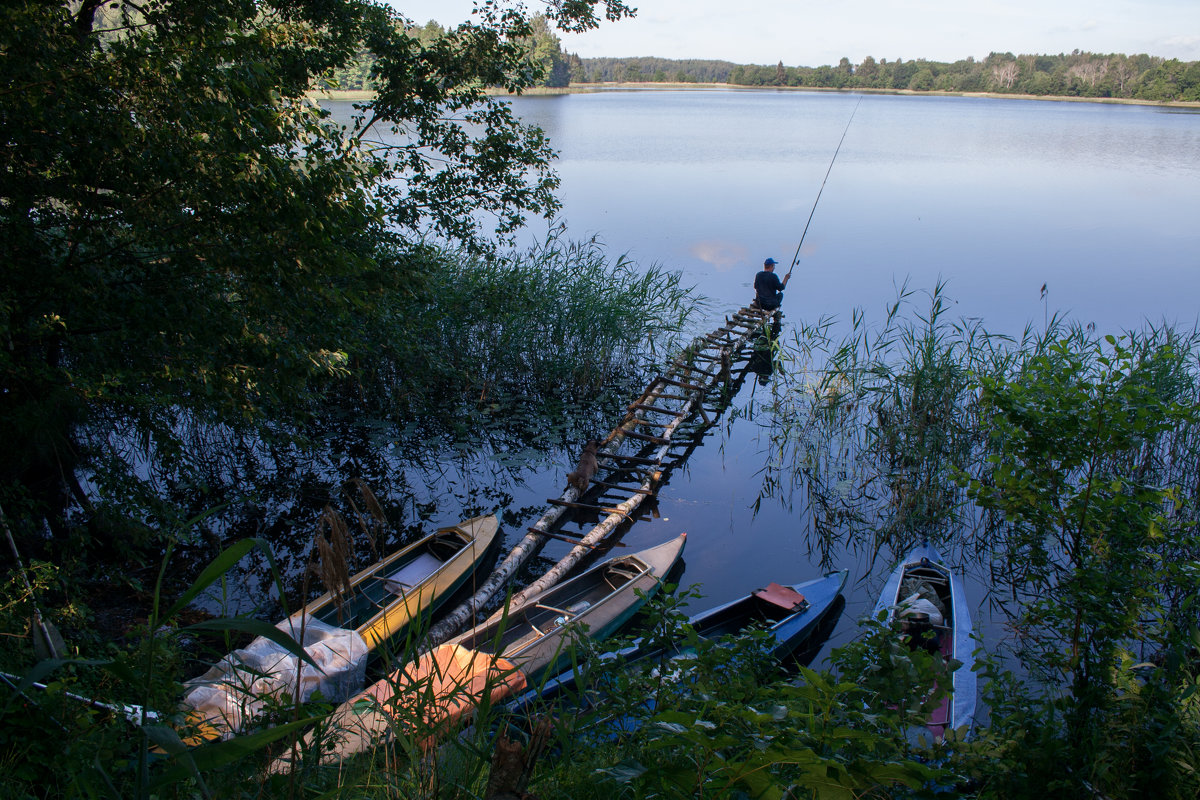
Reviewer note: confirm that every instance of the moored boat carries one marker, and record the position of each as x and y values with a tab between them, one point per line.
338	631
788	614
924	592
385	599
499	658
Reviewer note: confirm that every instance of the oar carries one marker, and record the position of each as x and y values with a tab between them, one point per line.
131	713
47	641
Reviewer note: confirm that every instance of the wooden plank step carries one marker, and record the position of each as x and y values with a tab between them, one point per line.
648	407
645	437
634	459
682	385
570	540
645	422
554	501
627	489
691	368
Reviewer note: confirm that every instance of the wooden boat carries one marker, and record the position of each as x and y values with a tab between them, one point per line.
788	614
408	586
386	600
496	659
921	581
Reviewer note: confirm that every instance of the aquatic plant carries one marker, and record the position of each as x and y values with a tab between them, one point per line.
1064	465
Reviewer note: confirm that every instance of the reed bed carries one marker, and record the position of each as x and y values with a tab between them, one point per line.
562	318
877	431
1060	468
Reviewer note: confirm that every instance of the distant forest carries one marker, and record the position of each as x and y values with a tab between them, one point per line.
1077	74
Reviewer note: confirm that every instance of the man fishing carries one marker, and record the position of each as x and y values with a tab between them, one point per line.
768	289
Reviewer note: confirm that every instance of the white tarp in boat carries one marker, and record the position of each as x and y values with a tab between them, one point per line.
235	689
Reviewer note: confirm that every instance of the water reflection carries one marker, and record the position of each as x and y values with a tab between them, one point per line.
721	255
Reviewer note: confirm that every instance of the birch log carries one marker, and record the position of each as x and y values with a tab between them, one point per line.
597	534
456	619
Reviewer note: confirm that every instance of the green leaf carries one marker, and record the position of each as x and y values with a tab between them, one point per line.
220	565
624	772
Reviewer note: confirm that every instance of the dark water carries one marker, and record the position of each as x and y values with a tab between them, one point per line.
994	197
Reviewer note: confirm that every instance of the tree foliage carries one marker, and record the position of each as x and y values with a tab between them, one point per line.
1093	75
543	58
1090	75
190	241
1075	469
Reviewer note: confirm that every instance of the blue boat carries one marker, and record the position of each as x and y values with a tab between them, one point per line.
923	585
788	614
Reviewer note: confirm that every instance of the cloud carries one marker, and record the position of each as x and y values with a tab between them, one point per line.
1184	40
722	255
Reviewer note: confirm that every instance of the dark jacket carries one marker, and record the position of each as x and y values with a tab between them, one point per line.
768	290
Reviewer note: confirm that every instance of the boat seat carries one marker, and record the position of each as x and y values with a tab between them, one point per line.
934	577
620	571
565	615
447	544
408	577
783	596
556	610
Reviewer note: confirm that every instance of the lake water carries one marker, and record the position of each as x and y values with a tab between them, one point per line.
997	197
1100	203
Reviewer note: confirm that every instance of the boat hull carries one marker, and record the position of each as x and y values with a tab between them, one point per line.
431	569
924	562
339	639
789	629
497	659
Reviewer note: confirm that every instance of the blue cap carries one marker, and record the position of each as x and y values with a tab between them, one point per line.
770	262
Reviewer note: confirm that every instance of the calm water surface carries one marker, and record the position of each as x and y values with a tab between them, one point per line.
995	197
1099	202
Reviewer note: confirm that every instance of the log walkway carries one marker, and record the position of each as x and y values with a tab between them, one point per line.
625	480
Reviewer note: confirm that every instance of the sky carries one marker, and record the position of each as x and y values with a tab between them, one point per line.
814	32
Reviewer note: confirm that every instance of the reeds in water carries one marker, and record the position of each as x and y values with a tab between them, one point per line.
879	431
561	317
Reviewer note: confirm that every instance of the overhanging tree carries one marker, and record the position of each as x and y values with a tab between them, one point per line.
188	240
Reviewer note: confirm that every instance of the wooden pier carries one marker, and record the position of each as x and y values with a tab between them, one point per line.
625	480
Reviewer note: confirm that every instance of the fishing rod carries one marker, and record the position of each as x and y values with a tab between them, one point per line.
796	257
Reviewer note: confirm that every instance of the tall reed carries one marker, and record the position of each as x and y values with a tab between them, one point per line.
561	318
1062	464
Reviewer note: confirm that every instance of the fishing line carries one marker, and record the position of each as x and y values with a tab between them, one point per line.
796	257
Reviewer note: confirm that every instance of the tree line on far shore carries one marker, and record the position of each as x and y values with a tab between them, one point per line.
1075	74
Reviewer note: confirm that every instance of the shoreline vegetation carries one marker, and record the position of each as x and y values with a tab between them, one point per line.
362	95
224	316
1078	75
